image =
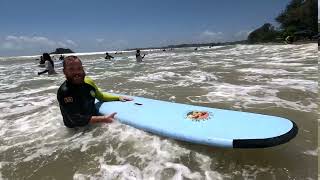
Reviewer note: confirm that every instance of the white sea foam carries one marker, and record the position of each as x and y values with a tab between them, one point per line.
155	77
301	84
265	71
240	76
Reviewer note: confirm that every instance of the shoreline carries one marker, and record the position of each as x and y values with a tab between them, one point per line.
243	42
159	48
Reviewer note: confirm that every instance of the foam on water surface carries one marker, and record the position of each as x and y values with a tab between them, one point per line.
280	80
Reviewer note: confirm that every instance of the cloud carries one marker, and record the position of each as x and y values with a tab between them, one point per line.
7	45
23	44
19	42
61	44
209	36
99	40
72	43
242	35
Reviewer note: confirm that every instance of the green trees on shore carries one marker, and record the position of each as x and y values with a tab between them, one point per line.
299	20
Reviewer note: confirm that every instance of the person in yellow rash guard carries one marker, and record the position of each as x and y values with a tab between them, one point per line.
76	96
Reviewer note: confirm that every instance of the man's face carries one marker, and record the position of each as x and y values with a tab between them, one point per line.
74	72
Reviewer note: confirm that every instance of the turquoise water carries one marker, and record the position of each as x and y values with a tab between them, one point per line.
279	80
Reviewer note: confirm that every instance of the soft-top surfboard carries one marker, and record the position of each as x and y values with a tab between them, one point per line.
203	125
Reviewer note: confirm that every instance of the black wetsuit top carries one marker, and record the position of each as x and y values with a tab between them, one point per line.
77	102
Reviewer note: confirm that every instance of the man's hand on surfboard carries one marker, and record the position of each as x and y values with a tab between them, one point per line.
124	99
109	118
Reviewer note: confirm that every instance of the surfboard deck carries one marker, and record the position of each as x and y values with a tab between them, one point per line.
202	125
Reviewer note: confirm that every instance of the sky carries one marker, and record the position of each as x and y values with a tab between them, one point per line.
318	10
30	27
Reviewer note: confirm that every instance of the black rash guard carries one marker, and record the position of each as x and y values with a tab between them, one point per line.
77	102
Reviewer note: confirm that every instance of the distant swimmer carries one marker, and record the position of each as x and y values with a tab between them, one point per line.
289	39
108	56
196	49
138	56
42	62
49	65
61	57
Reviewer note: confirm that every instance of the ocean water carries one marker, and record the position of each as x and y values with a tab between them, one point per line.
279	80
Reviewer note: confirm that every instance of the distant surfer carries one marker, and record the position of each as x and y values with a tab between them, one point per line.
138	56
76	96
48	64
108	56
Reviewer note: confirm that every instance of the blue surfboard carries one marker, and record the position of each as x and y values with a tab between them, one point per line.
202	125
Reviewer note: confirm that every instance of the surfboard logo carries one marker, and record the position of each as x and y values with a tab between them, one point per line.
198	115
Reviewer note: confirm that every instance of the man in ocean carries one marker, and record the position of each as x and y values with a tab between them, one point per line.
61	57
77	96
108	56
138	56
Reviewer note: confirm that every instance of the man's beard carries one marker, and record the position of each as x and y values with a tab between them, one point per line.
76	80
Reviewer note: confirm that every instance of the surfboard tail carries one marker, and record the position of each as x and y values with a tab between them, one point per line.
268	142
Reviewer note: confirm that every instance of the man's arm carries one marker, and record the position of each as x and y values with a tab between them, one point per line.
100	95
77	120
72	119
105	119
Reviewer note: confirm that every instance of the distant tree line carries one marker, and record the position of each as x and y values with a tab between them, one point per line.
298	20
193	45
206	44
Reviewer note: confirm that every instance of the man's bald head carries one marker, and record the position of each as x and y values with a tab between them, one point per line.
73	70
68	59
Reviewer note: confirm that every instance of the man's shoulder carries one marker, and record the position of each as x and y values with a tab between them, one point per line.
63	88
89	81
62	91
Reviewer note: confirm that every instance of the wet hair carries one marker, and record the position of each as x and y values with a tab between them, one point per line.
70	58
138	50
47	57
